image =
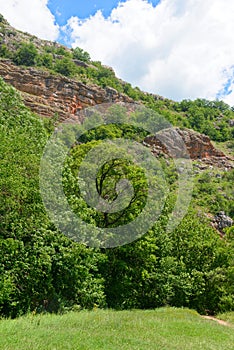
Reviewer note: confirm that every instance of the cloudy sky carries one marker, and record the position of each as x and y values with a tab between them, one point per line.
180	49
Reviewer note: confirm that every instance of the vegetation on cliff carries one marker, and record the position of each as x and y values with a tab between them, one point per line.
43	270
213	118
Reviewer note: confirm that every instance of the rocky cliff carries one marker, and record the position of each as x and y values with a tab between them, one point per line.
181	143
47	94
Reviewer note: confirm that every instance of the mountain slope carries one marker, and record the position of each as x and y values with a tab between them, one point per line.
41	269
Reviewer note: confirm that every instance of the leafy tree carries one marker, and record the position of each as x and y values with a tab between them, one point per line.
208	117
169	269
45	60
62	51
40	269
80	54
26	54
65	66
108	177
4	52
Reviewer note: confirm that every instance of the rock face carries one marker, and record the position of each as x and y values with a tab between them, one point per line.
47	94
187	143
221	221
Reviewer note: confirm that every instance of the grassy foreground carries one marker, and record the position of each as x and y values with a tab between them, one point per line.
165	328
228	316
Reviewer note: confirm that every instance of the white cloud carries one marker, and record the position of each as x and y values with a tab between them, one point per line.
229	99
178	49
32	16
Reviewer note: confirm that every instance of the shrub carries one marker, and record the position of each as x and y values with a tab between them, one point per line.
4	52
45	60
26	55
62	51
80	54
65	66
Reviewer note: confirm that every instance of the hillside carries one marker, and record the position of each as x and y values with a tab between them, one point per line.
43	84
71	73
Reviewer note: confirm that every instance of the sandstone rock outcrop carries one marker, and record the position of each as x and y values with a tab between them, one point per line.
47	94
179	143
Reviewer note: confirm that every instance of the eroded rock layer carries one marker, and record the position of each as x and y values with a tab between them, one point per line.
47	94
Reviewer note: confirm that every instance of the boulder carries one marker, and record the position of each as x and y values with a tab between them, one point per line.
186	143
221	221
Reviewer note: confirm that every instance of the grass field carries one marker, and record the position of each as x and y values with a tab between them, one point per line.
163	329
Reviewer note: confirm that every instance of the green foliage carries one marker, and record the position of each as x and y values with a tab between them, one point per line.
214	192
26	55
104	76
45	60
62	51
49	48
45	271
65	67
40	269
208	117
107	179
182	268
4	52
113	131
80	54
188	267
131	92
1	19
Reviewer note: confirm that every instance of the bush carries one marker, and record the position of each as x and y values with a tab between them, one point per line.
26	55
185	268
80	54
4	52
62	51
65	66
45	60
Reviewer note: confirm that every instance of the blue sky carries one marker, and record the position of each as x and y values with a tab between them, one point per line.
180	49
64	9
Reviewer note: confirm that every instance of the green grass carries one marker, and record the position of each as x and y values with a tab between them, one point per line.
228	316
164	329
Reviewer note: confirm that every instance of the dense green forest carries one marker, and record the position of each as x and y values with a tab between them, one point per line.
43	270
